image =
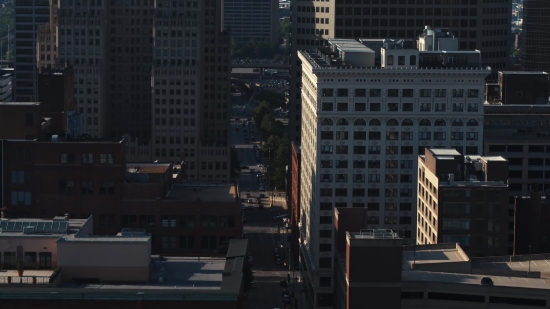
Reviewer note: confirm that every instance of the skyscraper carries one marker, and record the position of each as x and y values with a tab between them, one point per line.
156	70
29	15
479	24
252	19
536	36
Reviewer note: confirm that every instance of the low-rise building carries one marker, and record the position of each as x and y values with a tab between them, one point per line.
531	231
463	199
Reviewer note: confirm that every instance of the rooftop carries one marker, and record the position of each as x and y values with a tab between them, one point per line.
203	192
40	227
444	152
375	234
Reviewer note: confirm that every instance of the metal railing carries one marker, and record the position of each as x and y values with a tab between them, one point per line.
378	233
25	280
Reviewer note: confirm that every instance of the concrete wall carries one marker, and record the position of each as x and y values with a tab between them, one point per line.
30	244
107	261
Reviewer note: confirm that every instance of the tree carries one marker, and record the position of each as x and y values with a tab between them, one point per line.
260	111
285	28
271	144
274	99
268	125
235	163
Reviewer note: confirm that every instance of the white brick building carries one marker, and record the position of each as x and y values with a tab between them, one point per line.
366	116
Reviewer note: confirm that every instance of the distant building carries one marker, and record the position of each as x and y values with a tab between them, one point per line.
531	231
246	73
463	199
256	19
6	85
520	87
536	36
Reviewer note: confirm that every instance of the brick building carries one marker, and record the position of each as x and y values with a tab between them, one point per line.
295	199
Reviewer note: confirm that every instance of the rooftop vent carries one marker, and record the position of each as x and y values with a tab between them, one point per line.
60	218
28	230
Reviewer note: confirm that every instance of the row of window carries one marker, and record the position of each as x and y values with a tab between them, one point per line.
87	158
395	107
394	150
405	93
361	192
373	206
168	221
362	163
87	187
394	122
390	178
394	136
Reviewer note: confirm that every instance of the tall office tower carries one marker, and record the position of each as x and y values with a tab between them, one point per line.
252	19
191	82
364	124
479	24
29	15
536	35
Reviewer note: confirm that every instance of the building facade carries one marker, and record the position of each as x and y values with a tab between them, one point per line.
535	35
479	24
365	125
29	15
463	199
252	19
6	85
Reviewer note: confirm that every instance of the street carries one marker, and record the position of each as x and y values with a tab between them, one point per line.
261	225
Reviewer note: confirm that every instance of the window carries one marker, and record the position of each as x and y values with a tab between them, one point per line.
341	149
393	93
327	135
66	187
325	220
341	177
326	149
400	60
67	158
87	158
327	107
423	136
471	136
425	93
359	135
325	282
456	224
391	163
20	177
392	136
342	92
325	191
374	163
208	242
45	260
440	93
391	177
390	219
325	233
374	135
361	93
406	163
374	177
406	149
391	192
168	221
340	192
106	188
373	192
405	192
187	221
408	93
405	178
405	206
412	60
473	107
456	208
208	221
473	93
87	187
458	107
390	60
374	149
326	177
325	247
360	107
472	123
21	198
342	107
358	192
375	93
358	178
106	158
326	206
326	163
406	136
374	107
358	163
458	93
325	262
372	219
187	242
342	135
439	136
328	92
440	107
392	149
359	149
390	206
405	220
227	221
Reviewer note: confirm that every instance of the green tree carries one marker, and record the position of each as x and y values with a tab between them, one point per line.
274	99
260	111
271	144
285	28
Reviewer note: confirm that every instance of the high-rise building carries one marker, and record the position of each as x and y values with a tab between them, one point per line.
364	121
463	199
158	71
479	24
29	15
252	19
535	35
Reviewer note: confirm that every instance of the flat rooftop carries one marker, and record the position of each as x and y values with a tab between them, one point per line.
245	71
206	193
39	227
444	152
147	168
182	273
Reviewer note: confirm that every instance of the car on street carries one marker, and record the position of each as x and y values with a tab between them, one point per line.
278	262
250	201
260	165
487	281
248	195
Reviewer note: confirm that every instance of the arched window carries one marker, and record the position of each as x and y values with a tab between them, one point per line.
407	122
327	122
360	122
342	122
472	123
392	122
390	60
440	123
457	123
412	60
425	123
375	122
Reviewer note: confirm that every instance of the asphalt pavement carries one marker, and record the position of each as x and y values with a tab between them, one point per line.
261	227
